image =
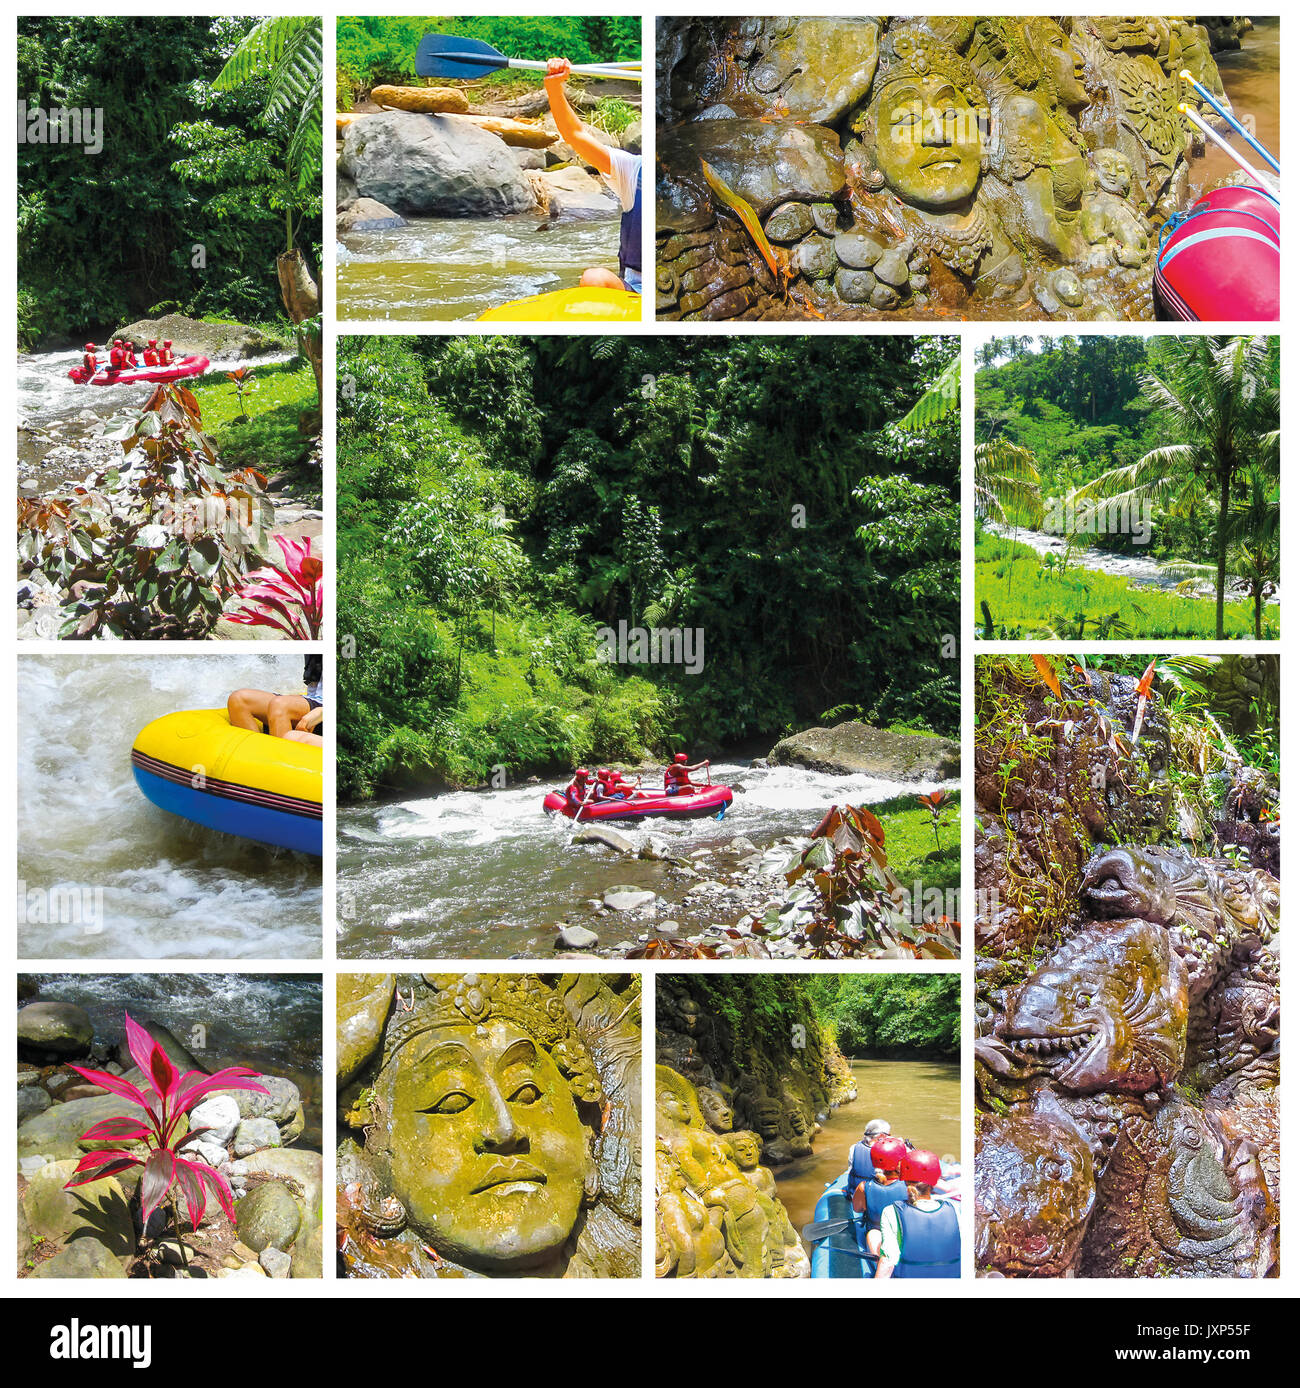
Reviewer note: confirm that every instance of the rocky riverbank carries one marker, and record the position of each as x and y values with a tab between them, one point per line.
96	1231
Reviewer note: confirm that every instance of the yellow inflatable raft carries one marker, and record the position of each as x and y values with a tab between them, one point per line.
570	306
267	789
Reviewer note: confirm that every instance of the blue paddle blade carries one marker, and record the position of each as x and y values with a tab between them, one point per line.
720	813
448	55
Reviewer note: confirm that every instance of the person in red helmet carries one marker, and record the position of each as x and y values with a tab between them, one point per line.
613	786
677	775
151	353
579	790
116	356
89	362
920	1237
165	357
884	1190
128	354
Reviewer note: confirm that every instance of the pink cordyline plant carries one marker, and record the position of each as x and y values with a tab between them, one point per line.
289	598
172	1095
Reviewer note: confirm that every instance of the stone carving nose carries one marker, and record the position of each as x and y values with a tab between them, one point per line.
500	1133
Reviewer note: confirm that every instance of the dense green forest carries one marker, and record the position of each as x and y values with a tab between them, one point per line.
185	173
381	48
502	500
1163	449
865	1014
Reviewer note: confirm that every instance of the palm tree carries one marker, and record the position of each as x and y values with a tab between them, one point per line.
1006	475
287	51
1219	400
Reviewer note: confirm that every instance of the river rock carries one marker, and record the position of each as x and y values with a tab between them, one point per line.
576	937
815	258
98	1211
765	162
294	1166
789	222
253	1134
345	192
56	1133
609	838
309	1253
220	1114
855	286
434	166
275	1262
858	749
28	1076
31	1101
366	214
573	195
631	138
282	1101
61	1028
86	1258
857	250
891	268
268	1217
627	898
216	340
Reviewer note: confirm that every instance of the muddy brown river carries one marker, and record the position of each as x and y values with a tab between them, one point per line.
921	1098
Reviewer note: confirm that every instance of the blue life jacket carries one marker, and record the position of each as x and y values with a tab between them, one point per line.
931	1241
880	1198
860	1165
629	234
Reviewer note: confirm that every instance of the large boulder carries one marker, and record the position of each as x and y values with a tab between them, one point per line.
365	214
858	749
268	1217
56	1134
296	1167
191	336
62	1028
434	166
87	1258
573	195
98	1211
309	1254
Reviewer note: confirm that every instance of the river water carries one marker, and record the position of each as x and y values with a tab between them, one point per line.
149	884
486	874
920	1098
1251	80
269	1022
452	269
1140	571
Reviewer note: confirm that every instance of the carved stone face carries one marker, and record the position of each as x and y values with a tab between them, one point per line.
489	1153
745	1149
1126	32
672	1107
928	142
1062	64
717	1112
1113	172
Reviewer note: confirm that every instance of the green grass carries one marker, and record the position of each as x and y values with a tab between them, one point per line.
909	841
1026	601
268	439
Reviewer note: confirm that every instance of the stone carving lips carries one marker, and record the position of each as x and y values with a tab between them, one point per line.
1108	1010
509	1173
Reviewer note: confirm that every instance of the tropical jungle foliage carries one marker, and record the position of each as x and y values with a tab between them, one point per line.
501	500
108	237
381	48
1068	430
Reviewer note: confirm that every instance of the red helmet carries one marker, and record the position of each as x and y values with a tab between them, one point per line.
887	1152
680	757
153	342
921	1166
167	342
90	346
582	774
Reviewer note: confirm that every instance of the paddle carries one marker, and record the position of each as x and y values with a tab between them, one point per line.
813	1232
449	55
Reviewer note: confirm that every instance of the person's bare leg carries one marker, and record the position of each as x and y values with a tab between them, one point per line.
249	708
311	739
284	711
600	279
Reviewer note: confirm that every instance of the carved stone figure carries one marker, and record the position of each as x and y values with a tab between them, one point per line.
1128	1078
494	1126
913	165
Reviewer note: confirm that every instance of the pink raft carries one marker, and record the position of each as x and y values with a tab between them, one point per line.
707	800
177	371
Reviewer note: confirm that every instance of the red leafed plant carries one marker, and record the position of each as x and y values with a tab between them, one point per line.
289	598
172	1095
935	802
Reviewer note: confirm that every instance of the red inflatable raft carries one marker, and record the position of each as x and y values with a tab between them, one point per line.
177	371
1221	261
707	800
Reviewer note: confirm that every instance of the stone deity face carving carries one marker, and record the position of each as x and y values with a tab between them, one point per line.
746	1150
489	1154
928	145
1061	63
1113	171
717	1112
1132	33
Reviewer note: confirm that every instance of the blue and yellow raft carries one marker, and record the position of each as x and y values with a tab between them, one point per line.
267	789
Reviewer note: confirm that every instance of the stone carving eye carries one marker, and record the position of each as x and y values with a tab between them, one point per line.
455	1102
526	1094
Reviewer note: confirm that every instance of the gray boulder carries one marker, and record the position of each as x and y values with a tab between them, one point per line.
309	1254
62	1028
31	1101
365	214
268	1217
434	166
253	1134
607	838
87	1258
858	749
